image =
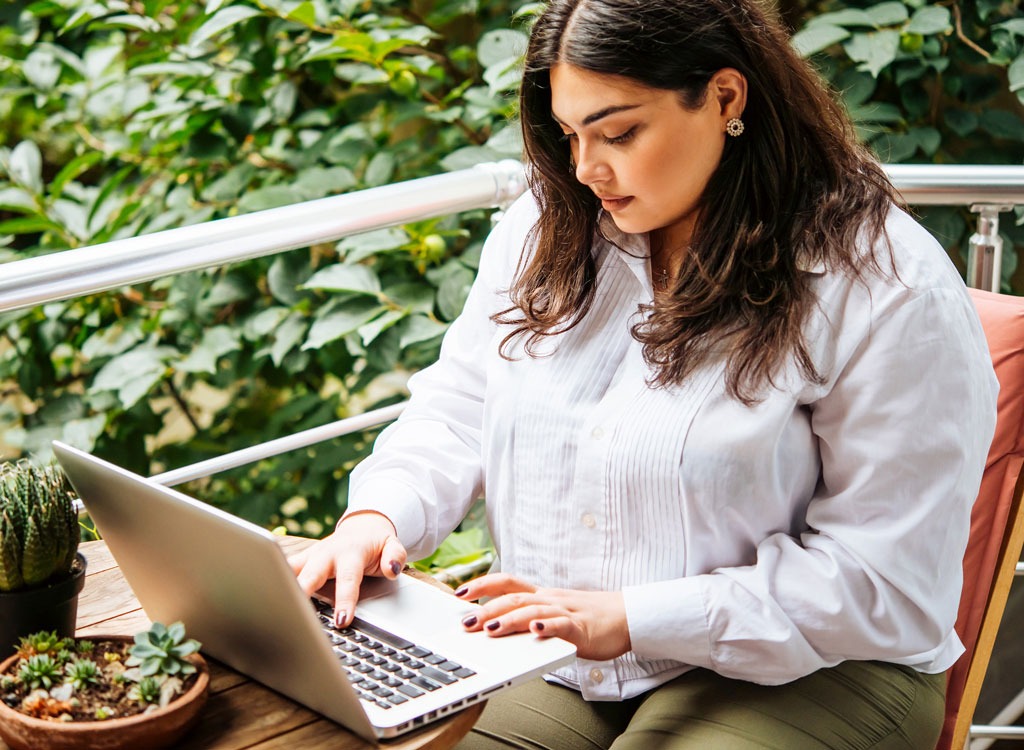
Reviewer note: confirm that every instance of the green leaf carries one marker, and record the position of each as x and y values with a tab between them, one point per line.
29	225
288	335
1015	73
271	196
380	169
419	328
874	50
369	332
499	45
17	199
345	278
133	374
343	321
359	246
216	342
845	17
996	122
818	37
304	13
42	69
25	166
961	122
1013	26
888	13
931	19
73	169
221	20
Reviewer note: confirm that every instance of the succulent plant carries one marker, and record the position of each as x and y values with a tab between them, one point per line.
147	690
40	671
82	672
162	650
39	530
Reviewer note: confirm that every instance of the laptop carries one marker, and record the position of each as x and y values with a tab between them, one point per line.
408	662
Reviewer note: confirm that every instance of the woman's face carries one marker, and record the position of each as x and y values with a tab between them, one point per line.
643	154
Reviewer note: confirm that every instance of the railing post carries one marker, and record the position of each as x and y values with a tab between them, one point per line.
985	249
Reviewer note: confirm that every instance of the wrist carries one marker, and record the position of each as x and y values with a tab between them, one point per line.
369	515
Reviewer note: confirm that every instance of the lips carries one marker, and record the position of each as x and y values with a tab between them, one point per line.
614	202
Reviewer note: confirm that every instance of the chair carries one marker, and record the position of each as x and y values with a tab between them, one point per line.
997	524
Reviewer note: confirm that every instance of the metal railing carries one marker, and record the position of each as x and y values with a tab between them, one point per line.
988	190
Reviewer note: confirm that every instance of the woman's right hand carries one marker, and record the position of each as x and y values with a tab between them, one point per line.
364	543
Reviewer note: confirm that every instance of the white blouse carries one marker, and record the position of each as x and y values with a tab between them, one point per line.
827	522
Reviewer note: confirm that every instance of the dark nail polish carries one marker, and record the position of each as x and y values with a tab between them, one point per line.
538	626
461	591
339	617
469	621
395	567
493	625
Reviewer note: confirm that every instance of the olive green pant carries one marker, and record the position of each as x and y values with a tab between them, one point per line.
853	706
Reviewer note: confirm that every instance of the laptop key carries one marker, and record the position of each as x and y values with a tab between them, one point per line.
418	651
382	692
401	657
424	683
378	675
364	668
382	704
449	666
397	699
415	664
405	674
391	667
435	659
436	674
382	635
410	691
464	672
392	682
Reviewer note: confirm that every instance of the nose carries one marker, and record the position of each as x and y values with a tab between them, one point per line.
590	168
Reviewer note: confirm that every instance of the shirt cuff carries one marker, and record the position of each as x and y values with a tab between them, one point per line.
396	500
667	620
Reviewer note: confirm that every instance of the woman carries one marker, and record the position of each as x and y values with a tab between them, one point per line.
728	404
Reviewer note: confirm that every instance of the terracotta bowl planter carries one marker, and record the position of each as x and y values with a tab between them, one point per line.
157	729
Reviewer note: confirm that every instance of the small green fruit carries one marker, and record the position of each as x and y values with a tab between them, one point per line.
404	83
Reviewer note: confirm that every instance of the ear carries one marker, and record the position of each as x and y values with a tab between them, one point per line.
728	88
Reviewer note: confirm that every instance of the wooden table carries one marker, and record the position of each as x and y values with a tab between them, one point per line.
241	713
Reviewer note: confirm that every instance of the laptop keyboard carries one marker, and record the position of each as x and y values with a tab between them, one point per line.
384	668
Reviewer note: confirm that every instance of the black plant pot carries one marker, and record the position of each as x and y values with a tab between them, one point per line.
50	607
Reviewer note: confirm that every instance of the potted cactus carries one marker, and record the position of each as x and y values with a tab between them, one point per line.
41	570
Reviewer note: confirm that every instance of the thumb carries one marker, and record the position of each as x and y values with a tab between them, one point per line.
392	557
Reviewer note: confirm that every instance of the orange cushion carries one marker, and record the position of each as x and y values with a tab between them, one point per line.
1002	317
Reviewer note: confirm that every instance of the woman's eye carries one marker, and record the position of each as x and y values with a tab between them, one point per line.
623	138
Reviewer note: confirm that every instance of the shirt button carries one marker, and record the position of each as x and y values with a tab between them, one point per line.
597	433
589	521
596	676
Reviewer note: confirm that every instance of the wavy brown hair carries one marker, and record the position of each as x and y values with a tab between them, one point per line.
795	186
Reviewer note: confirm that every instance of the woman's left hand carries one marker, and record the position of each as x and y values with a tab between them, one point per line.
594	621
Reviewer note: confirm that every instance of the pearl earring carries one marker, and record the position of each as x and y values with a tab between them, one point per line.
734	127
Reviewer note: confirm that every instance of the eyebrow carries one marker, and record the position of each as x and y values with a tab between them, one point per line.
600	114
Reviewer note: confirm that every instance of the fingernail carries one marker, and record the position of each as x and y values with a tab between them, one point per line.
493	625
538	626
469	621
339	617
396	568
461	591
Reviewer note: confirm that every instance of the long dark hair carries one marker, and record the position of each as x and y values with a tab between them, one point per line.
795	187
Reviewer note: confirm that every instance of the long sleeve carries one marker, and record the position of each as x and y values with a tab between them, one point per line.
903	430
426	468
